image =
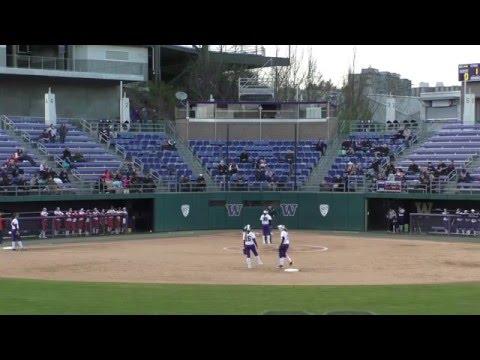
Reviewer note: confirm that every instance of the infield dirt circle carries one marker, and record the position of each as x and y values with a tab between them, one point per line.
216	258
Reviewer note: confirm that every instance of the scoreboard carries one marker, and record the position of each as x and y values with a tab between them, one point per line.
469	72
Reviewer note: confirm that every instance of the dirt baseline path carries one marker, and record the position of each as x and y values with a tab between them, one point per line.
217	259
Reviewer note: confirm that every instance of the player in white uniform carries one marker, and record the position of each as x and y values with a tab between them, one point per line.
57	222
44	224
284	245
250	245
16	233
265	220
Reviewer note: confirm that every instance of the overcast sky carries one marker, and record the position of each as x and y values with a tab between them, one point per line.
419	63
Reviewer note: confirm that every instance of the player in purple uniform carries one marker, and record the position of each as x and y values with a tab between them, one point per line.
250	245
265	220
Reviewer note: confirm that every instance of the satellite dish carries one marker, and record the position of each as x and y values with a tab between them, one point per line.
180	95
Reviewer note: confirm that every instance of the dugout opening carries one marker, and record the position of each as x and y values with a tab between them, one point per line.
140	211
377	209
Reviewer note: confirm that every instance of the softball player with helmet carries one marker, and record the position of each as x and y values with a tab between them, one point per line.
16	240
284	245
265	220
250	245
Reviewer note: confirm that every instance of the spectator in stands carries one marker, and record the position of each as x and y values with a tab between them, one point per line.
143	114
377	161
431	168
464	176
338	183
244	156
450	167
426	179
350	151
52	133
77	157
222	168
64	176
413	168
346	144
260	174
66	164
67	155
365	144
391	176
44	136
63	132
169	145
441	168
184	183
201	183
232	168
321	146
407	134
400	175
350	168
107	176
289	156
20	156
269	176
390	169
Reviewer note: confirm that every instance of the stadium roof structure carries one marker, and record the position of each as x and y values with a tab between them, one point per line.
174	58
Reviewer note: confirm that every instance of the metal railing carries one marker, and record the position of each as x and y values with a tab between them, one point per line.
66	64
239	49
307	111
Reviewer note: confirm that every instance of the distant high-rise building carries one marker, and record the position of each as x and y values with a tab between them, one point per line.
382	82
416	91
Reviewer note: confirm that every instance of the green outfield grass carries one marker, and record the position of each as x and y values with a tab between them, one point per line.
56	297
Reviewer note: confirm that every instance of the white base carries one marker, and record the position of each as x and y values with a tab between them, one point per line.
7	248
292	270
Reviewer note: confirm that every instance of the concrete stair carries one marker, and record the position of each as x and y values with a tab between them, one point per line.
324	165
189	157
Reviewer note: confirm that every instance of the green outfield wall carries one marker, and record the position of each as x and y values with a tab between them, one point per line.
232	210
198	211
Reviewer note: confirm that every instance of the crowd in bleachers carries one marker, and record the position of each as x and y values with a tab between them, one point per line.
125	180
258	164
368	155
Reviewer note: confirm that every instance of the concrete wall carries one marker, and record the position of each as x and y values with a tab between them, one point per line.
75	98
252	131
3	55
112	58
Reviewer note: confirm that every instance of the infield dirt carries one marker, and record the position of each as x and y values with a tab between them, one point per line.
217	259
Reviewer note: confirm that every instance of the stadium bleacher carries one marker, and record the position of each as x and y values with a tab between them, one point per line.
273	152
146	146
8	147
364	158
97	159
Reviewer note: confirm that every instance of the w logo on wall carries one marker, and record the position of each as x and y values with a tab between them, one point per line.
424	207
289	209
234	209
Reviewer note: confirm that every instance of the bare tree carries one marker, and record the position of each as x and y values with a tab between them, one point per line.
354	105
